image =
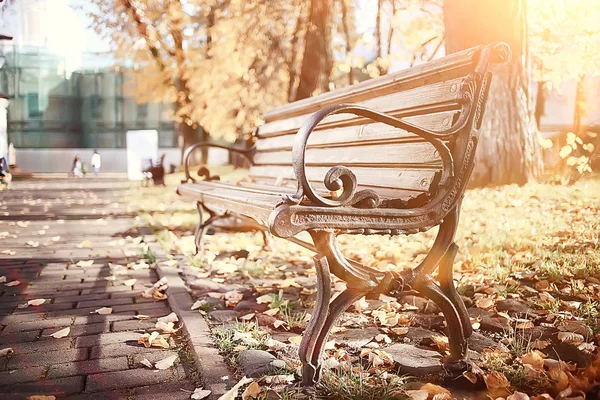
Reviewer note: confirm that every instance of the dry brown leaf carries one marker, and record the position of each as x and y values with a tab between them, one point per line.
13	283
165	327
200	394
197	304
403	330
41	397
233	392
84	244
6	352
441	342
103	311
153	339
361	305
497	384
61	333
36	302
142	317
295	339
484	302
232	298
9	252
518	396
146	363
417	394
471	376
85	263
434	390
2	279
169	318
166	363
570	338
252	391
130	282
271	312
534	358
525	325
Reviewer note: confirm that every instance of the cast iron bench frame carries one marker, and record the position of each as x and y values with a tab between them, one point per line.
362	211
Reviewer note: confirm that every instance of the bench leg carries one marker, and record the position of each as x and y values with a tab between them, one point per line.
203	226
325	315
445	296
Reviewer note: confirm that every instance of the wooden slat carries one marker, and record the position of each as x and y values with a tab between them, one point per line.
447	67
411	179
375	155
364	133
440	96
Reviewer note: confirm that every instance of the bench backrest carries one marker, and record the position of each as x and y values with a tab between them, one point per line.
393	162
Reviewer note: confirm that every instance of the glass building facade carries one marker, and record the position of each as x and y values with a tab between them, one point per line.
88	108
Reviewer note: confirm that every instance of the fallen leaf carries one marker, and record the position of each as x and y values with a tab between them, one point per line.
169	318
252	391
265	299
200	394
435	391
13	283
233	392
103	311
36	302
497	384
55	238
518	396
197	304
41	397
417	394
534	358
61	333
33	243
85	263
484	302
146	363
232	298
166	363
361	305
142	317
295	339
153	339
165	327
129	282
525	325
471	376
570	338
271	312
85	243
6	352
9	252
2	279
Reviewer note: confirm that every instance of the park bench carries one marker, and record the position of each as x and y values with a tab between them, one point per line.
388	156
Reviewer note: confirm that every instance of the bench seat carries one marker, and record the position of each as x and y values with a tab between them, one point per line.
389	156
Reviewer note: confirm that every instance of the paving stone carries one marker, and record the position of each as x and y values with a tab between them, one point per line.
130	378
41	345
37	325
41	358
97	318
105	302
119	349
79	330
514	307
20	376
88	367
134	325
18	337
424	305
60	386
255	363
78	298
415	361
479	342
18	319
107	338
169	391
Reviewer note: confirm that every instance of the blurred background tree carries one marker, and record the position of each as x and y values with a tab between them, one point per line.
222	63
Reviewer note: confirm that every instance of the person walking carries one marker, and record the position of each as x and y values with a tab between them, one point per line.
96	162
77	167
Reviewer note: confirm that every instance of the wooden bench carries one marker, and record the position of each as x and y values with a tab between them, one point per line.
388	156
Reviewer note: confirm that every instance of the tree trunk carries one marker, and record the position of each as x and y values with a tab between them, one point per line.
508	151
316	63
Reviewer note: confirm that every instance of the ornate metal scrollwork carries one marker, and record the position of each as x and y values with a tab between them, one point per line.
203	171
340	178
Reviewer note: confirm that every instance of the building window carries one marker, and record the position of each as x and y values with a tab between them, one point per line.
33	105
96	106
142	111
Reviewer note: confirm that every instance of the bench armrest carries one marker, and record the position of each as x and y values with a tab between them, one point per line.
247	153
340	177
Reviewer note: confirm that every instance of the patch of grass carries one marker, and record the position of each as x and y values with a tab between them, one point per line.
149	255
346	384
227	341
589	313
293	319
